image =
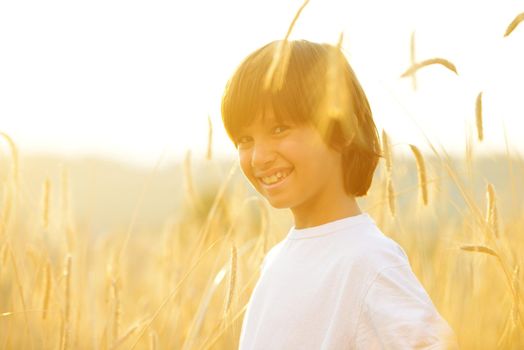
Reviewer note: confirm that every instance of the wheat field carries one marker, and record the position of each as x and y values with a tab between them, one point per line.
94	255
178	275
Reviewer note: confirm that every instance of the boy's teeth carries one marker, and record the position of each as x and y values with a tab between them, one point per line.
268	180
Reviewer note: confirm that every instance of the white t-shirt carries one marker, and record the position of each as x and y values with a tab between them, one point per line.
341	285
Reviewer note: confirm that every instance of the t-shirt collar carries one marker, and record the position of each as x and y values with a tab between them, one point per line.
329	227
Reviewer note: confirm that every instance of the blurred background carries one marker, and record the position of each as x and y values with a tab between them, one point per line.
116	170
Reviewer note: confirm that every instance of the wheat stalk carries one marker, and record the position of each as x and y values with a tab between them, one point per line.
116	310
511	27
391	197
469	152
68	223
491	210
4	255
423	182
46	198
515	308
412	60
20	290
47	289
189	183
478	114
277	70
340	41
386	148
66	327
153	340
14	156
125	336
7	202
480	248
209	139
415	67
232	278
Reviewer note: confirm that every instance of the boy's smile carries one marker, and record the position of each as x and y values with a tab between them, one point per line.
292	167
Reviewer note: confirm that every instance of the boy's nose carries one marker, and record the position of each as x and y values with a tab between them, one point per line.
262	157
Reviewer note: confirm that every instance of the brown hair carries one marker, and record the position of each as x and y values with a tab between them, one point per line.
318	86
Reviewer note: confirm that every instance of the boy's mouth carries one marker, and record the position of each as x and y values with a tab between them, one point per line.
275	178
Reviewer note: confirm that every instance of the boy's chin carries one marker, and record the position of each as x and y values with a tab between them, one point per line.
277	204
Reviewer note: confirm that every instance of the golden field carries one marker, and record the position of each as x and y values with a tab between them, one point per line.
96	254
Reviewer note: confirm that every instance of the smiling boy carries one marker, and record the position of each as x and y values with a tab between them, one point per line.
311	145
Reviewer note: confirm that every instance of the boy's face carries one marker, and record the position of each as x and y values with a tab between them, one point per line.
290	164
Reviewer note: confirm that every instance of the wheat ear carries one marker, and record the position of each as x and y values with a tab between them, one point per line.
422	176
415	67
491	210
511	27
478	115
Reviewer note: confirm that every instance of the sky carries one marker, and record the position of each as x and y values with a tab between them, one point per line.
137	80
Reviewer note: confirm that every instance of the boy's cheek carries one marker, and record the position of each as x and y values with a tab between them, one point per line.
248	174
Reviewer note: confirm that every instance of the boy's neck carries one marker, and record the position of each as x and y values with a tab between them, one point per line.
310	217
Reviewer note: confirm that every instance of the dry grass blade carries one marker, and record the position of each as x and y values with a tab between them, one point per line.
511	27
423	182
277	70
480	249
415	67
478	114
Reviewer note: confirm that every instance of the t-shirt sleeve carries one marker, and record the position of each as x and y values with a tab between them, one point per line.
397	313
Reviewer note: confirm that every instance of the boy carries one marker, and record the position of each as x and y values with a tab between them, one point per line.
308	142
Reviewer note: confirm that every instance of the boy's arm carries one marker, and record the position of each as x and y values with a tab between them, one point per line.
397	313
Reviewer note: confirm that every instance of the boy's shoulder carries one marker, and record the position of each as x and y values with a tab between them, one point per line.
370	254
381	251
367	245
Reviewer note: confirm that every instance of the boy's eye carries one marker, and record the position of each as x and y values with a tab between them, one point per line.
243	140
279	129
